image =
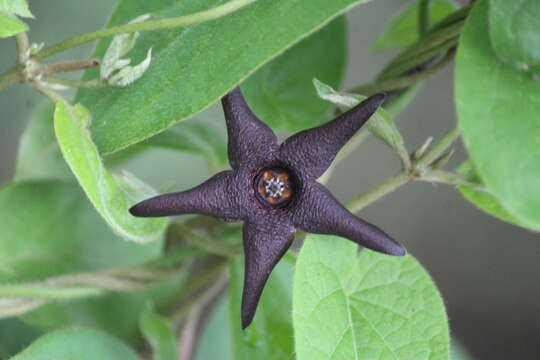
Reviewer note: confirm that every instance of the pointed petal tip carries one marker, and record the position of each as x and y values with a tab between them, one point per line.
247	317
245	323
378	99
136	210
399	250
393	248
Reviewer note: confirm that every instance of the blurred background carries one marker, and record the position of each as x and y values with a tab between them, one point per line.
487	270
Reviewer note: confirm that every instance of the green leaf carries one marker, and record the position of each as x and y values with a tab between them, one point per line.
16	7
10	25
381	123
270	335
159	334
281	92
483	200
196	136
498	111
39	156
192	68
111	195
350	305
80	344
514	30
49	228
402	30
15	336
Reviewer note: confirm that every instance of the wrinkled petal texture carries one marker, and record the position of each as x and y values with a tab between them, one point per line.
269	230
250	140
320	213
310	152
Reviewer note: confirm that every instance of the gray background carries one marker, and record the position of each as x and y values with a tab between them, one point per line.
487	270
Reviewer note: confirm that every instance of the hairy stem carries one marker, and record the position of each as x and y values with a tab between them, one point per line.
75	83
438	149
48	293
406	81
69	65
22	47
9	78
16	299
51	94
170	23
387	186
417	172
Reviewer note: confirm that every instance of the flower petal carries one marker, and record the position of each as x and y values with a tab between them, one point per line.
319	212
250	140
311	151
264	245
214	197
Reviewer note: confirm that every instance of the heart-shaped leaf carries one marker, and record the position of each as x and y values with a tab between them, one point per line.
350	305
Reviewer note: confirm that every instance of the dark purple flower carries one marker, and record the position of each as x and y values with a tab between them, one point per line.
272	188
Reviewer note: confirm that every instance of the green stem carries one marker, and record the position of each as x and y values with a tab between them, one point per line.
9	78
403	81
453	18
51	94
69	65
423	16
22	47
425	49
390	184
170	23
47	292
18	306
396	181
450	178
438	149
75	83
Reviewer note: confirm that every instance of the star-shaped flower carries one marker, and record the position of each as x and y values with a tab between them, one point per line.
272	188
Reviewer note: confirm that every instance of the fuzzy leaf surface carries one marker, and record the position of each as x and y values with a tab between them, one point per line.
194	67
112	195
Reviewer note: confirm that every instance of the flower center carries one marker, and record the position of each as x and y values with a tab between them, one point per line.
274	187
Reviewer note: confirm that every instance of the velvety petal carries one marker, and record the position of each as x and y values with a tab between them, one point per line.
264	245
250	140
215	197
310	152
319	212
